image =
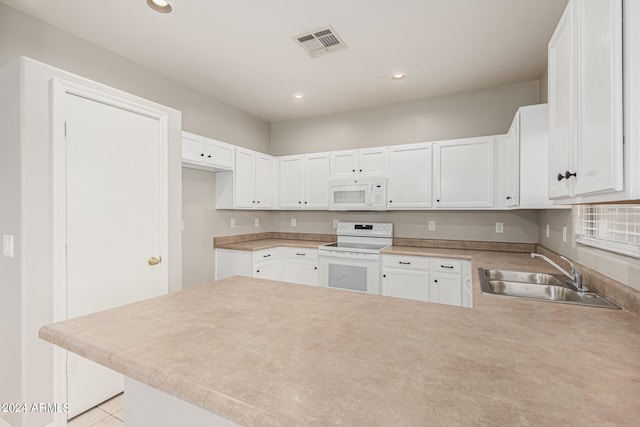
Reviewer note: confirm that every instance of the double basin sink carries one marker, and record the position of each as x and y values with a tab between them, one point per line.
538	286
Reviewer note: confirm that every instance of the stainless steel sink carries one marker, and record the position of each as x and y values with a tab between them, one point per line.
538	286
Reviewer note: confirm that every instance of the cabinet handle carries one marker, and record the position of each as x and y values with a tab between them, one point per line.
353	170
508	197
438	200
257	271
404	263
266	256
299	203
384	275
390	201
300	253
560	177
568	174
446	266
360	170
305	203
201	154
315	268
209	156
258	201
253	201
435	280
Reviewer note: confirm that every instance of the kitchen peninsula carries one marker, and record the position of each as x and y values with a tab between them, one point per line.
260	352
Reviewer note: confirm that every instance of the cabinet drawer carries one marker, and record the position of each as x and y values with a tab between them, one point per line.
446	266
264	255
301	253
408	262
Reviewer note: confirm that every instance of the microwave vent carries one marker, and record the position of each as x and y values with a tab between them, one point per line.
320	42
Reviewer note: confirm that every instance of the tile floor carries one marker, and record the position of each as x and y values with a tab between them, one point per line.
106	414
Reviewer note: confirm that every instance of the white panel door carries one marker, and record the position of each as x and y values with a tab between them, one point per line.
316	181
599	162
116	221
446	289
409	284
192	148
291	182
244	179
410	175
265	180
562	103
464	173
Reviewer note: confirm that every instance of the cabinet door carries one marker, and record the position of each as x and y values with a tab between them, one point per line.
409	284
512	156
301	271
244	179
218	154
192	148
446	289
562	104
410	174
464	173
343	164
599	163
373	162
291	182
316	181
266	270
265	178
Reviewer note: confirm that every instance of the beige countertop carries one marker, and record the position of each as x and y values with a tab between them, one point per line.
272	353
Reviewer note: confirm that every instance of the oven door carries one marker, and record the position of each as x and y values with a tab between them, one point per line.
350	271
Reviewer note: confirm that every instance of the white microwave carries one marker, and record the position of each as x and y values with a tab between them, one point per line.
358	194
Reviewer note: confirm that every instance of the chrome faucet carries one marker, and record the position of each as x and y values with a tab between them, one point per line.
574	275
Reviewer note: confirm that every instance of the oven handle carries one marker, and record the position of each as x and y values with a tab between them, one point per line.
348	255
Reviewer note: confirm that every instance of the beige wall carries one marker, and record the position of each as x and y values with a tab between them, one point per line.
477	113
544	87
519	226
621	268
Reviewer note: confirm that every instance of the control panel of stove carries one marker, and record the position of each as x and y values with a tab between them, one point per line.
371	229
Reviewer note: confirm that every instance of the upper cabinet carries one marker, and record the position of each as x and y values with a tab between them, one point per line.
359	163
304	181
252	183
526	155
199	152
586	103
464	173
410	173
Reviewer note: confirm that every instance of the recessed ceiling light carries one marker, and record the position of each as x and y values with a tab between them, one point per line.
159	6
298	97
398	76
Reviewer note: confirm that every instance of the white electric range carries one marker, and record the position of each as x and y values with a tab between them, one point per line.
353	262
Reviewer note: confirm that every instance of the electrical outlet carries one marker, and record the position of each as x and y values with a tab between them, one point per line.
232	223
431	226
564	234
547	231
293	222
335	223
499	227
256	222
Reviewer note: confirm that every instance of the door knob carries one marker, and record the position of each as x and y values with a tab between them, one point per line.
154	261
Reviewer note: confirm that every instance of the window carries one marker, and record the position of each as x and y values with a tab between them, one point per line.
613	228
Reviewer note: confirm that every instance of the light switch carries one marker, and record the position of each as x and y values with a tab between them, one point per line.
499	227
232	223
335	223
7	245
432	226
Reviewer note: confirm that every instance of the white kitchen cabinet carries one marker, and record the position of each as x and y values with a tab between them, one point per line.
359	163
438	280
304	181
410	176
464	173
263	264
300	266
526	158
252	183
586	102
199	152
405	277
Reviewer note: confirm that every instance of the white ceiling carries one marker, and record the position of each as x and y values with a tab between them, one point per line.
242	52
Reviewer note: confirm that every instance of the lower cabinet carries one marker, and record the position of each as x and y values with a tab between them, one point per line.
439	280
296	265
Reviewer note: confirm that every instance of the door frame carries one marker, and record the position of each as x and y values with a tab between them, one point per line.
59	90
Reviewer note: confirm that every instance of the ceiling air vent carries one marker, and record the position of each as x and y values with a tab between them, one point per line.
320	42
